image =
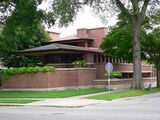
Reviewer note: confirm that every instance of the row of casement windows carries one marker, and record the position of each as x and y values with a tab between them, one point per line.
102	59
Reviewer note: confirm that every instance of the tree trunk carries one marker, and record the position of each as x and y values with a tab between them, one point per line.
137	72
158	74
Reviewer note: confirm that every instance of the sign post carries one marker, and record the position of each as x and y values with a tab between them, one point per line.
109	69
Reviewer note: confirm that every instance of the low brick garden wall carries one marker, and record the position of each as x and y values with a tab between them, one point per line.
61	78
64	78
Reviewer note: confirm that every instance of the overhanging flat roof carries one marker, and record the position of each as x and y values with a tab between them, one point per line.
70	39
57	48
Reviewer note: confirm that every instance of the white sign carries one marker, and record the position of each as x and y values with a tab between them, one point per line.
109	67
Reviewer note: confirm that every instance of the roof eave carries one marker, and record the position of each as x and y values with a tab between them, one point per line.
45	51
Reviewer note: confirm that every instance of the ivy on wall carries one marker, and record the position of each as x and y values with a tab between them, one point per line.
6	73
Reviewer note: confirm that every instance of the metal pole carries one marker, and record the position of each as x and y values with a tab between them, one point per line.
150	82
109	82
1	78
151	72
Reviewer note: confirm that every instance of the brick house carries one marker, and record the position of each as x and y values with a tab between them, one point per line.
61	52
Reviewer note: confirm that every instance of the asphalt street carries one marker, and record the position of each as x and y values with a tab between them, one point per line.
139	108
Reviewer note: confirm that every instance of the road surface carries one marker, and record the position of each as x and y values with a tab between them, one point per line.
139	108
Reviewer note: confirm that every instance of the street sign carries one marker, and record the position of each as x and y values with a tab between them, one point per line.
109	67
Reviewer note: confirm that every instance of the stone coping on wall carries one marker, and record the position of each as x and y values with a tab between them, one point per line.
123	64
79	68
91	63
124	79
106	80
132	71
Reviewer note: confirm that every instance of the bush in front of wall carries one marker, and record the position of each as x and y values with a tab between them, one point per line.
113	74
6	73
80	63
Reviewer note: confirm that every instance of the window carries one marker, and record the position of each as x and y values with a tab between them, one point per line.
63	58
95	58
99	58
103	60
106	58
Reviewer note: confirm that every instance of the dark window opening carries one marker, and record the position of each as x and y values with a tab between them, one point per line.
95	58
99	58
106	58
63	58
103	58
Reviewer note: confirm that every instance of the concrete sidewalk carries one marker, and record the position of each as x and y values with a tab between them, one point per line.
65	103
71	102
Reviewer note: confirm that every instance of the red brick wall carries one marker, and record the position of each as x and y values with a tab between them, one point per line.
60	78
97	34
86	77
129	67
100	69
64	77
83	32
54	36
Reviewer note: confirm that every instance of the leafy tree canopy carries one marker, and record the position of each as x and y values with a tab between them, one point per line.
22	30
61	12
119	41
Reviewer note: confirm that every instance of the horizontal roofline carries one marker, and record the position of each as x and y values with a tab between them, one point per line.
53	32
58	47
92	28
69	40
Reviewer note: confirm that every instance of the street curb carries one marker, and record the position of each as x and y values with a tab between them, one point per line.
133	97
59	106
18	105
12	105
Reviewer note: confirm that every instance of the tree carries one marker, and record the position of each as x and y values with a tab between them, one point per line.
151	46
23	27
22	30
1	27
135	10
119	41
61	14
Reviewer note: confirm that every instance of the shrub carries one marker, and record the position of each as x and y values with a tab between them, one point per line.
6	73
114	74
80	63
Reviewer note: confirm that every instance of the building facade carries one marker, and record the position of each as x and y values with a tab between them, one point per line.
62	52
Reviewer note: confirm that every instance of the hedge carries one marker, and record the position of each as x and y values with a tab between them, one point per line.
80	63
6	73
113	73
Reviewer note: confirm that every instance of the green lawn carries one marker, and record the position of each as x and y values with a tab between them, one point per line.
48	94
17	101
124	93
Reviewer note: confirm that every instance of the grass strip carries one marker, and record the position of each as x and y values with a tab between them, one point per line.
124	93
48	94
17	101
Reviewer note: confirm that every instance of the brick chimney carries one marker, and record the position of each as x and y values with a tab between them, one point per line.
54	35
97	34
82	33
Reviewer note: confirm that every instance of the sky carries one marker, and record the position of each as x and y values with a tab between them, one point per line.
84	19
